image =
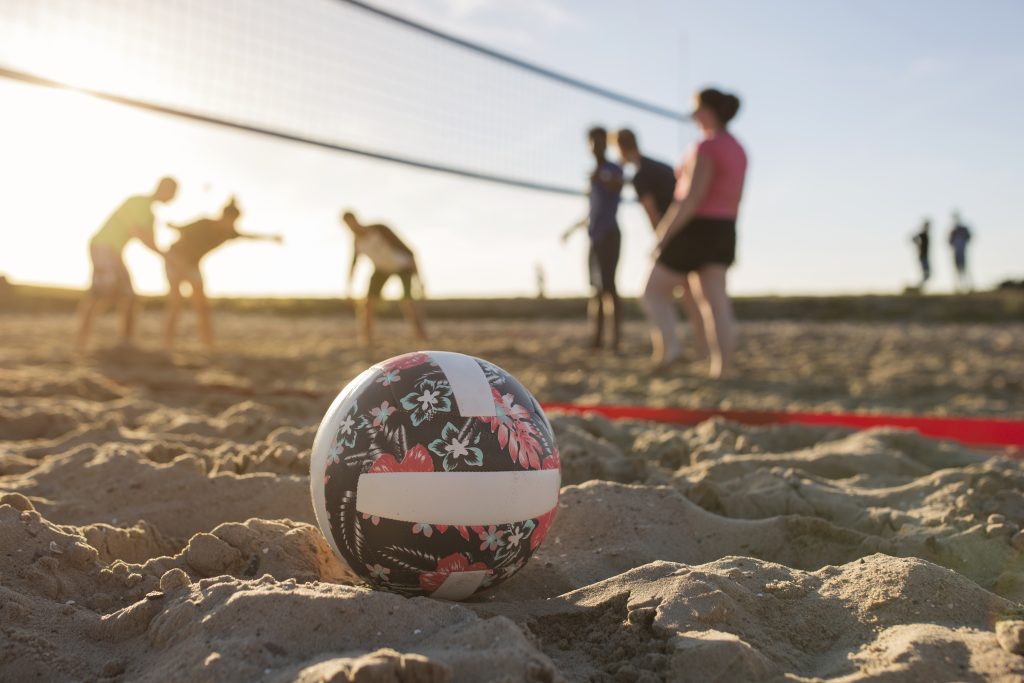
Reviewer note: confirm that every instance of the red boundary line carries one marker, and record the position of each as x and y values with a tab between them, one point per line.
980	431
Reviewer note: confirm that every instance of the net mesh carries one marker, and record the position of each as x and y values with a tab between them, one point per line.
326	71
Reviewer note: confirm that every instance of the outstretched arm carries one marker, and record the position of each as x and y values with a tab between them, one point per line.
680	213
145	235
574	227
268	238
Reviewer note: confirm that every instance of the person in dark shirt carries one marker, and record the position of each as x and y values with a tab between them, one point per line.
605	239
196	240
921	239
654	181
959	236
655	185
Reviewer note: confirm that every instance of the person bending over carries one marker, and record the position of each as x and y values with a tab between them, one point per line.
390	257
195	241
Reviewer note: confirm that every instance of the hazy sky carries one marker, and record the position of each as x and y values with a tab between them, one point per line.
860	118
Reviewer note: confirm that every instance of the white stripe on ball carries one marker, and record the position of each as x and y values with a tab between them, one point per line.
460	585
468	382
458	498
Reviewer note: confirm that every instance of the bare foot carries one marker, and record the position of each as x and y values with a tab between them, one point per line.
662	366
729	373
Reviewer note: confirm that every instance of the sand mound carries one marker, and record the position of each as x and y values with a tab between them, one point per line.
738	619
179	498
155	521
605	528
69	615
275	608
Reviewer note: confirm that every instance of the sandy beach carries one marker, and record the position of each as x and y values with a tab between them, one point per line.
155	518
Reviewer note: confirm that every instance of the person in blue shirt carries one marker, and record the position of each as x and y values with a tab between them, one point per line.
959	236
605	239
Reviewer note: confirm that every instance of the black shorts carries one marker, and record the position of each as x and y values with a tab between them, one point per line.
701	242
603	260
379	278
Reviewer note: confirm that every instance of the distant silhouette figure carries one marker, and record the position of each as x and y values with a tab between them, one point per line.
111	281
605	239
655	184
391	257
697	237
923	243
196	240
959	236
539	272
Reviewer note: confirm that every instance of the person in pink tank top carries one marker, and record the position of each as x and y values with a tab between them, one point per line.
697	240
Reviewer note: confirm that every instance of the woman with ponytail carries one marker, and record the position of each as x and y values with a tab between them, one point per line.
697	237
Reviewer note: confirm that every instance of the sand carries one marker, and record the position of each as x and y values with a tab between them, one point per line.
155	521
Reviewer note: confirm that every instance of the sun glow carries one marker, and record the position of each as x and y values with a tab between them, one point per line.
68	161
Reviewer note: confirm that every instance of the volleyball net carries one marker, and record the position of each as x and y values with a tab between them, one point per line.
340	74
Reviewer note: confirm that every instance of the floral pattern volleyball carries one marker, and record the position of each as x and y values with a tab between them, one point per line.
407	416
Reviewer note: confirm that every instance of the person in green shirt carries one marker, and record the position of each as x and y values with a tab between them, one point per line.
196	240
111	281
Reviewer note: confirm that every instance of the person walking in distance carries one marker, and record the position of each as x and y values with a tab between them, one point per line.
111	281
654	183
605	240
391	257
697	235
959	236
923	243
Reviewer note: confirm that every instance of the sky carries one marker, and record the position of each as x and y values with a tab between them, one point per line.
860	119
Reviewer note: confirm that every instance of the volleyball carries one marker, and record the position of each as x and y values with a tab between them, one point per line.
435	473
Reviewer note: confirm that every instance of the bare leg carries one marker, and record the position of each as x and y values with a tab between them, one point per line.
709	289
700	337
127	306
612	302
368	321
659	304
173	313
412	312
595	310
202	308
87	311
